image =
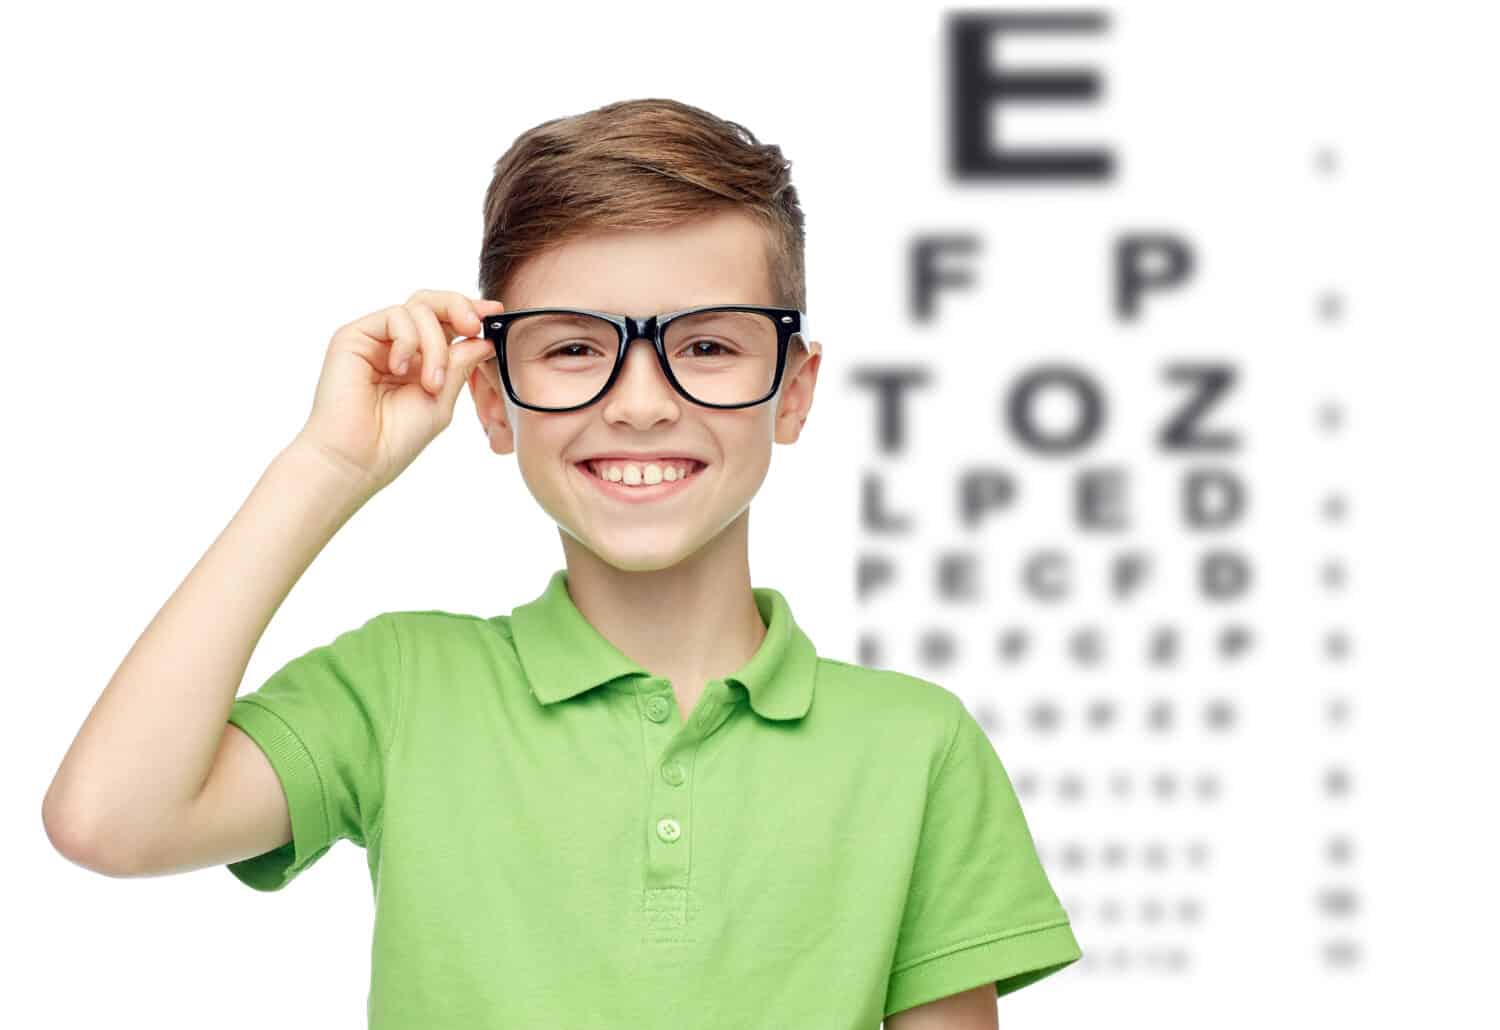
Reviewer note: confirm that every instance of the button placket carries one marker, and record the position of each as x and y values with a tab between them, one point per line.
670	803
665	887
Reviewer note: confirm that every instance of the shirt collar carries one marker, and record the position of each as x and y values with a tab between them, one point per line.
563	654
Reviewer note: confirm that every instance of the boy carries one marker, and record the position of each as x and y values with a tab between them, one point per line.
641	799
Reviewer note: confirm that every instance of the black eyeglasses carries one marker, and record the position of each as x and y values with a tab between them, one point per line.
564	359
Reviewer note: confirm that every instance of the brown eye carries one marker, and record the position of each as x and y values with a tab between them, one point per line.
710	343
559	351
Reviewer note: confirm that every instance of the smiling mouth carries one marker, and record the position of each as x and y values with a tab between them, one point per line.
694	467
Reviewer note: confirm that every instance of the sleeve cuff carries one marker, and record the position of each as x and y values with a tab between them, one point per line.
304	797
1010	960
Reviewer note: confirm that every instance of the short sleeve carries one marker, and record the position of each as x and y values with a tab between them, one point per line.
324	721
979	907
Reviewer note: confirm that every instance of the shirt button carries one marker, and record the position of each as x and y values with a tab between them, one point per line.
673	773
668	829
657	709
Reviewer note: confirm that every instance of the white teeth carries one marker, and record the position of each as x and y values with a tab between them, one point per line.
647	474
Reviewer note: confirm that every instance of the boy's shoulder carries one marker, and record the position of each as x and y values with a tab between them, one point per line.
913	700
423	634
440	621
891	684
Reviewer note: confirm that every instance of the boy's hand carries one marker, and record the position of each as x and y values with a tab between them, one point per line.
378	402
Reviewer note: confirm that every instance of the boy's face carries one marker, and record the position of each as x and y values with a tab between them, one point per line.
718	259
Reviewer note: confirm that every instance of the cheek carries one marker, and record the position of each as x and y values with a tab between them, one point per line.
540	463
750	450
753	431
742	438
539	440
537	485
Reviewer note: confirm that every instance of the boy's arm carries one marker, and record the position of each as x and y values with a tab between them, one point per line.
157	780
973	1009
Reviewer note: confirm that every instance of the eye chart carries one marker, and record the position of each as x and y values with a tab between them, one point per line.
1125	470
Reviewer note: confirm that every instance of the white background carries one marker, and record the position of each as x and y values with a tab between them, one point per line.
197	196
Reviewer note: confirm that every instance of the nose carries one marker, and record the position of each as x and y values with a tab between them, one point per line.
641	387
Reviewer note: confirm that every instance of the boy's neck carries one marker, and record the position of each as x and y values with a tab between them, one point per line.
690	623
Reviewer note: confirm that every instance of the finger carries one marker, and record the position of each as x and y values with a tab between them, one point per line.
434	344
393	329
456	312
467	355
463	358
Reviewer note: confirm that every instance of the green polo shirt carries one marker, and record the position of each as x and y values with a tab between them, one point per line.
551	844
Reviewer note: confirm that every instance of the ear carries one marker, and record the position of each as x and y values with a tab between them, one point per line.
800	377
491	404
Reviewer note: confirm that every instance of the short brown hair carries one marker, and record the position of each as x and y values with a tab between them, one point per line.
637	164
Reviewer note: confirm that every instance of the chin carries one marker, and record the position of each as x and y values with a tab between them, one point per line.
623	565
643	551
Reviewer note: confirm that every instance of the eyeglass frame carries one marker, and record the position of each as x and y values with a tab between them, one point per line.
789	322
